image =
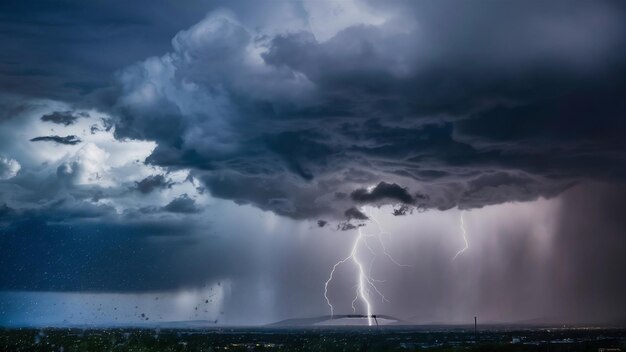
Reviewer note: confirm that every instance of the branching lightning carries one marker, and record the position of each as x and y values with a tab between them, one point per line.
365	282
382	244
464	234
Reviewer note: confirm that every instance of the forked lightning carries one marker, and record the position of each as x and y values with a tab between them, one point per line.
464	234
365	283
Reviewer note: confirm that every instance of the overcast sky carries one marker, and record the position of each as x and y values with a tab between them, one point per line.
213	160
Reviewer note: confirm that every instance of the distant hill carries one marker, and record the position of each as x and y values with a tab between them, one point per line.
338	320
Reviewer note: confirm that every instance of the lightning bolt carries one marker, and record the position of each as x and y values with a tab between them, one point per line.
330	278
365	282
382	244
464	234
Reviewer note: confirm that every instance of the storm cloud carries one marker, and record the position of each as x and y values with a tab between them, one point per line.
182	204
382	191
151	183
407	102
285	118
354	213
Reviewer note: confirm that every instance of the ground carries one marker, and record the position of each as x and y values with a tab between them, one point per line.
321	339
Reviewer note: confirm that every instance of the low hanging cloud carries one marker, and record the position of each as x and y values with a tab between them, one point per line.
402	210
152	183
68	140
63	117
183	204
383	191
356	214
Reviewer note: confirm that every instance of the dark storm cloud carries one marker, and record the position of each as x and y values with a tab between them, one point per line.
66	210
183	204
64	49
354	213
151	183
383	191
281	194
69	140
402	210
346	226
63	117
476	106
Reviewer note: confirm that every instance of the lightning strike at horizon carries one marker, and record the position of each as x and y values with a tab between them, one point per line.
464	234
362	278
365	281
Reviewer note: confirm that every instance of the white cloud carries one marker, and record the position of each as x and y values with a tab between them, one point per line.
8	168
99	165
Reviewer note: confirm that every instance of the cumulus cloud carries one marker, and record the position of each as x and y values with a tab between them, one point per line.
98	171
8	168
89	166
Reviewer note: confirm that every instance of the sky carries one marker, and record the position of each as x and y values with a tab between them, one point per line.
215	160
